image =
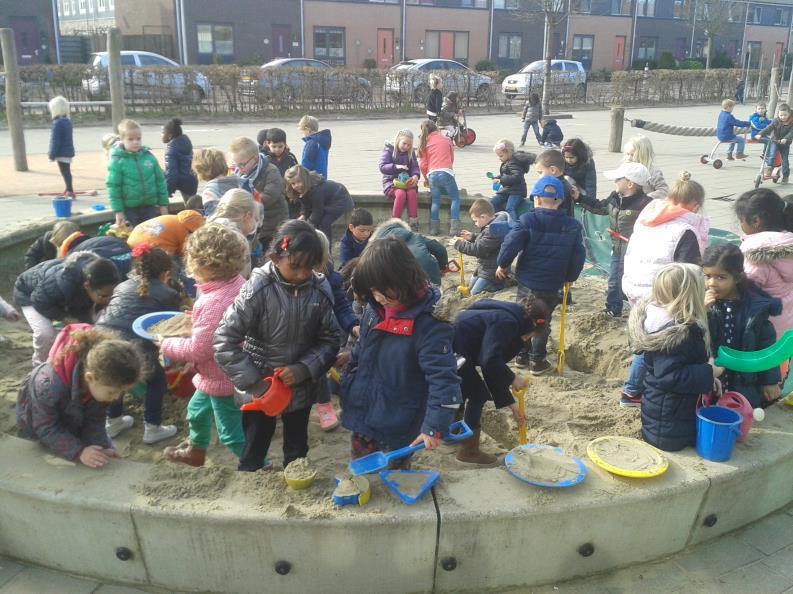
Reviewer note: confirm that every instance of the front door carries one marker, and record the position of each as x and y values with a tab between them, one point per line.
385	48
778	53
619	53
26	35
282	41
447	45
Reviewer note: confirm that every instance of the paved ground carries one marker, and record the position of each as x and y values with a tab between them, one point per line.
357	146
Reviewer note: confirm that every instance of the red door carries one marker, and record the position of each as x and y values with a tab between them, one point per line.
282	41
26	35
385	48
778	53
447	45
619	53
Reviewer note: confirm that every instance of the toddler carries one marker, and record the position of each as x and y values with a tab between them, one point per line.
484	245
399	159
579	166
780	133
532	116
551	162
321	201
436	160
356	238
178	160
725	130
551	134
211	168
316	145
514	166
639	149
61	141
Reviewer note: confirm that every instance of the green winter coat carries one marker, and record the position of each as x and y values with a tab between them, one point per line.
135	179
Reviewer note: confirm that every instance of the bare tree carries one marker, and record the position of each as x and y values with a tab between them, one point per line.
715	17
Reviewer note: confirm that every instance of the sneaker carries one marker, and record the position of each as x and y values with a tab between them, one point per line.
785	179
155	433
116	426
539	367
523	360
741	155
328	420
69	195
628	401
613	314
730	157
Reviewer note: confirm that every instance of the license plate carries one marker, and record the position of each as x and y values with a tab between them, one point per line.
510	89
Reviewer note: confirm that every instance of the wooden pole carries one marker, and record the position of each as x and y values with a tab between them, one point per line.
13	99
115	75
617	122
773	94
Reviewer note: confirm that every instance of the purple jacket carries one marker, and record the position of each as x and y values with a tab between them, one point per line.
388	165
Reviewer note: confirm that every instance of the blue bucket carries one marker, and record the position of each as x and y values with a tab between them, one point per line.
717	429
63	207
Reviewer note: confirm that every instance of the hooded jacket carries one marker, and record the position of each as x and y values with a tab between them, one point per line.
388	166
273	324
315	152
402	376
114	249
267	186
431	255
126	305
55	409
61	139
622	212
656	186
512	174
485	245
758	122
179	165
40	250
678	372
532	113
768	262
135	180
551	132
167	232
325	196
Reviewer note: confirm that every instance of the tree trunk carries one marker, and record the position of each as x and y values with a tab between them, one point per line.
708	48
546	84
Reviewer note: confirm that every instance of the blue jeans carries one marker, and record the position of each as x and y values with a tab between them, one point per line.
137	215
156	386
634	385
529	124
784	152
539	342
439	181
512	202
739	140
614	292
480	285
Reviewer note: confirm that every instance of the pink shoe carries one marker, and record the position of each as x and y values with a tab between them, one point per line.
328	420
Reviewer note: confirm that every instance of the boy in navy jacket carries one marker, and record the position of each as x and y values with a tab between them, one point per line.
357	235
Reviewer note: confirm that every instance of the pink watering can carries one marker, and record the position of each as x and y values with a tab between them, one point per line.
739	404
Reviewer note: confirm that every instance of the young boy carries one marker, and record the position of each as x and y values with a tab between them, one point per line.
551	162
279	154
725	130
316	147
46	247
551	248
357	235
434	98
781	131
485	245
551	134
622	207
211	168
759	120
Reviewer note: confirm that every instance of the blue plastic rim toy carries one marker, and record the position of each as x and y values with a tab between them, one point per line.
140	325
549	467
410	485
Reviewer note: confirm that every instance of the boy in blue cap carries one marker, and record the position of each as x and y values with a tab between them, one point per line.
551	247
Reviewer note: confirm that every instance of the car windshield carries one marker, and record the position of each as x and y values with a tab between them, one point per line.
403	66
537	66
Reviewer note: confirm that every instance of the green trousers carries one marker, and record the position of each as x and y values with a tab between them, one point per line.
228	420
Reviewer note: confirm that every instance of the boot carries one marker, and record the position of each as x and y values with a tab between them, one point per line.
186	454
435	228
454	227
767	172
414	225
470	453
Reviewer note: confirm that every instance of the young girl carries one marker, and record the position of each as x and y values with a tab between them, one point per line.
149	289
178	160
489	334
670	327
532	115
238	211
580	166
210	166
639	149
397	159
738	318
434	98
135	182
46	247
215	255
62	402
61	141
321	201
282	322
512	177
401	385
60	289
436	159
767	246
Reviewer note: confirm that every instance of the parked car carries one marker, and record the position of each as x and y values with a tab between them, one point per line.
412	78
190	87
287	79
565	74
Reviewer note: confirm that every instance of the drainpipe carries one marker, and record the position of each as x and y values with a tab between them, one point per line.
635	5
177	14
567	32
302	32
693	29
57	26
743	37
185	54
404	29
490	31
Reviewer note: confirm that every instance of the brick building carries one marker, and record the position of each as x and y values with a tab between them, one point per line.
34	30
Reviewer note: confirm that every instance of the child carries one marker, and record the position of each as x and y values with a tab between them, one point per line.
105	246
178	160
622	207
135	183
580	166
279	154
46	247
759	120
215	256
489	334
551	162
357	236
767	246
639	149
436	159
738	318
670	327
725	130
61	141
282	321
321	201
740	86
238	211
62	402
430	254
167	232
401	385
551	134
262	179
667	231
551	248
316	147
484	245
398	159
450	112
780	131
434	98
514	166
210	165
109	142
60	289
532	115
148	290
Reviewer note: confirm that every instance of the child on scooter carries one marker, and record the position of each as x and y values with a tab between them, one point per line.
780	132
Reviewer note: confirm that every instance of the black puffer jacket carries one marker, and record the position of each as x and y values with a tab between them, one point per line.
622	214
326	195
178	165
127	305
485	246
112	248
585	176
40	250
275	324
512	174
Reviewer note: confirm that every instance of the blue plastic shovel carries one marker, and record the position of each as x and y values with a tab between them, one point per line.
380	460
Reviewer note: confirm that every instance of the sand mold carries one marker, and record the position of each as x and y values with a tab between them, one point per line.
632	455
543	465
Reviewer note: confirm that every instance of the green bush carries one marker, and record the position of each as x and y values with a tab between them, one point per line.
667	61
691	64
483	65
640	64
370	63
721	60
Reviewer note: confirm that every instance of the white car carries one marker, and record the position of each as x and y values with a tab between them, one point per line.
411	79
564	73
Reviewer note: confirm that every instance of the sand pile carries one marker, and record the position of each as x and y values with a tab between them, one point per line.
179	325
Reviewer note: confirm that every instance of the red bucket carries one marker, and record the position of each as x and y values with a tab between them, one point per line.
180	381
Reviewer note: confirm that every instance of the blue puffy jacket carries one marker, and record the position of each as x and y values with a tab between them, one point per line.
61	140
350	248
179	166
758	122
402	376
315	152
551	248
341	305
725	128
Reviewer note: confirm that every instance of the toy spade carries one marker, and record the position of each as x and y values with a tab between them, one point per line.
560	362
519	395
489	175
463	289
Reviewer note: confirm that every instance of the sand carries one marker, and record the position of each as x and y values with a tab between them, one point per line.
179	325
299	469
543	465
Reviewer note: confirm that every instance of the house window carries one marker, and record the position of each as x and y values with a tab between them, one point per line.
754	50
101	5
757	14
581	6
506	4
82	6
215	40
74	7
111	4
66	11
781	17
647	46
509	46
582	49
680	10
329	45
621	7
645	8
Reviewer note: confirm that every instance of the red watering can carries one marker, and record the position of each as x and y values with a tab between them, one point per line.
274	401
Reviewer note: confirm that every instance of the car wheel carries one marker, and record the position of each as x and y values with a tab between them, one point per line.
193	95
483	92
420	93
580	91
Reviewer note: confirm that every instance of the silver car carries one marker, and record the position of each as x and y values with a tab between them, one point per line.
568	75
411	78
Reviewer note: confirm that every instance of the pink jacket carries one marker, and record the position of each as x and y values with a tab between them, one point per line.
208	310
439	154
768	261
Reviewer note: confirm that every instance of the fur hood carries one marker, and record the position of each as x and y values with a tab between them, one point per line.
767	247
651	329
389	224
